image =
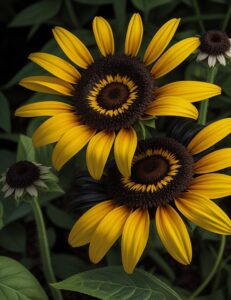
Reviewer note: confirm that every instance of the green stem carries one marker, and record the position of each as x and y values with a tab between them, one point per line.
205	103
71	12
198	15
44	248
226	20
213	270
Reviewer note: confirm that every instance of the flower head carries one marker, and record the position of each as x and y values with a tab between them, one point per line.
24	178
110	93
215	46
169	177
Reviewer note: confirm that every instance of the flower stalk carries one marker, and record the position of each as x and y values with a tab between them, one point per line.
44	248
205	104
213	270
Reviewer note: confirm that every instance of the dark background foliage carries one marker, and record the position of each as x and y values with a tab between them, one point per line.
25	27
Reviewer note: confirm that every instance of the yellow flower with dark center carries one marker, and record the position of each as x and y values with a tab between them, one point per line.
110	94
167	178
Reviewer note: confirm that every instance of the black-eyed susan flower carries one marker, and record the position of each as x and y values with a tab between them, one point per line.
168	178
111	93
25	178
215	47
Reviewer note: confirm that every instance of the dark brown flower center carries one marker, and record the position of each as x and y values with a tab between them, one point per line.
22	174
113	95
114	92
214	42
162	169
150	169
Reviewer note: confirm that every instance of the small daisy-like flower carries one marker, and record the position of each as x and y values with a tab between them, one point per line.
111	93
168	178
24	178
215	47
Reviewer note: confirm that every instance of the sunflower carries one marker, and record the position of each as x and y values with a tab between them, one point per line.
168	178
110	94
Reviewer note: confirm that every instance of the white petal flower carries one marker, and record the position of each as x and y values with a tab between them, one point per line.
221	59
202	56
25	178
211	61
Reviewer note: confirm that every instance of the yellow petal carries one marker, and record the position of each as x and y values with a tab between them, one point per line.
47	85
172	106
45	108
134	238
190	90
173	234
214	161
56	66
160	41
174	56
51	130
83	229
103	36
124	149
213	185
204	213
210	135
134	35
70	144
98	151
74	49
107	232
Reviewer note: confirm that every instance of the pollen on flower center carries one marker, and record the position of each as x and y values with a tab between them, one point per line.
113	92
162	169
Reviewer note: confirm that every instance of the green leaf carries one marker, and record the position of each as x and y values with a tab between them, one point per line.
59	217
114	284
5	123
25	149
1	215
66	265
147	5
95	2
7	158
53	186
36	13
16	244
16	282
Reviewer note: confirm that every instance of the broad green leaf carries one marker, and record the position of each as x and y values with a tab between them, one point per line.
36	13
59	217
13	213
147	5
16	244
13	137
5	122
95	2
7	158
51	236
1	215
25	149
66	265
17	283
53	187
114	284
